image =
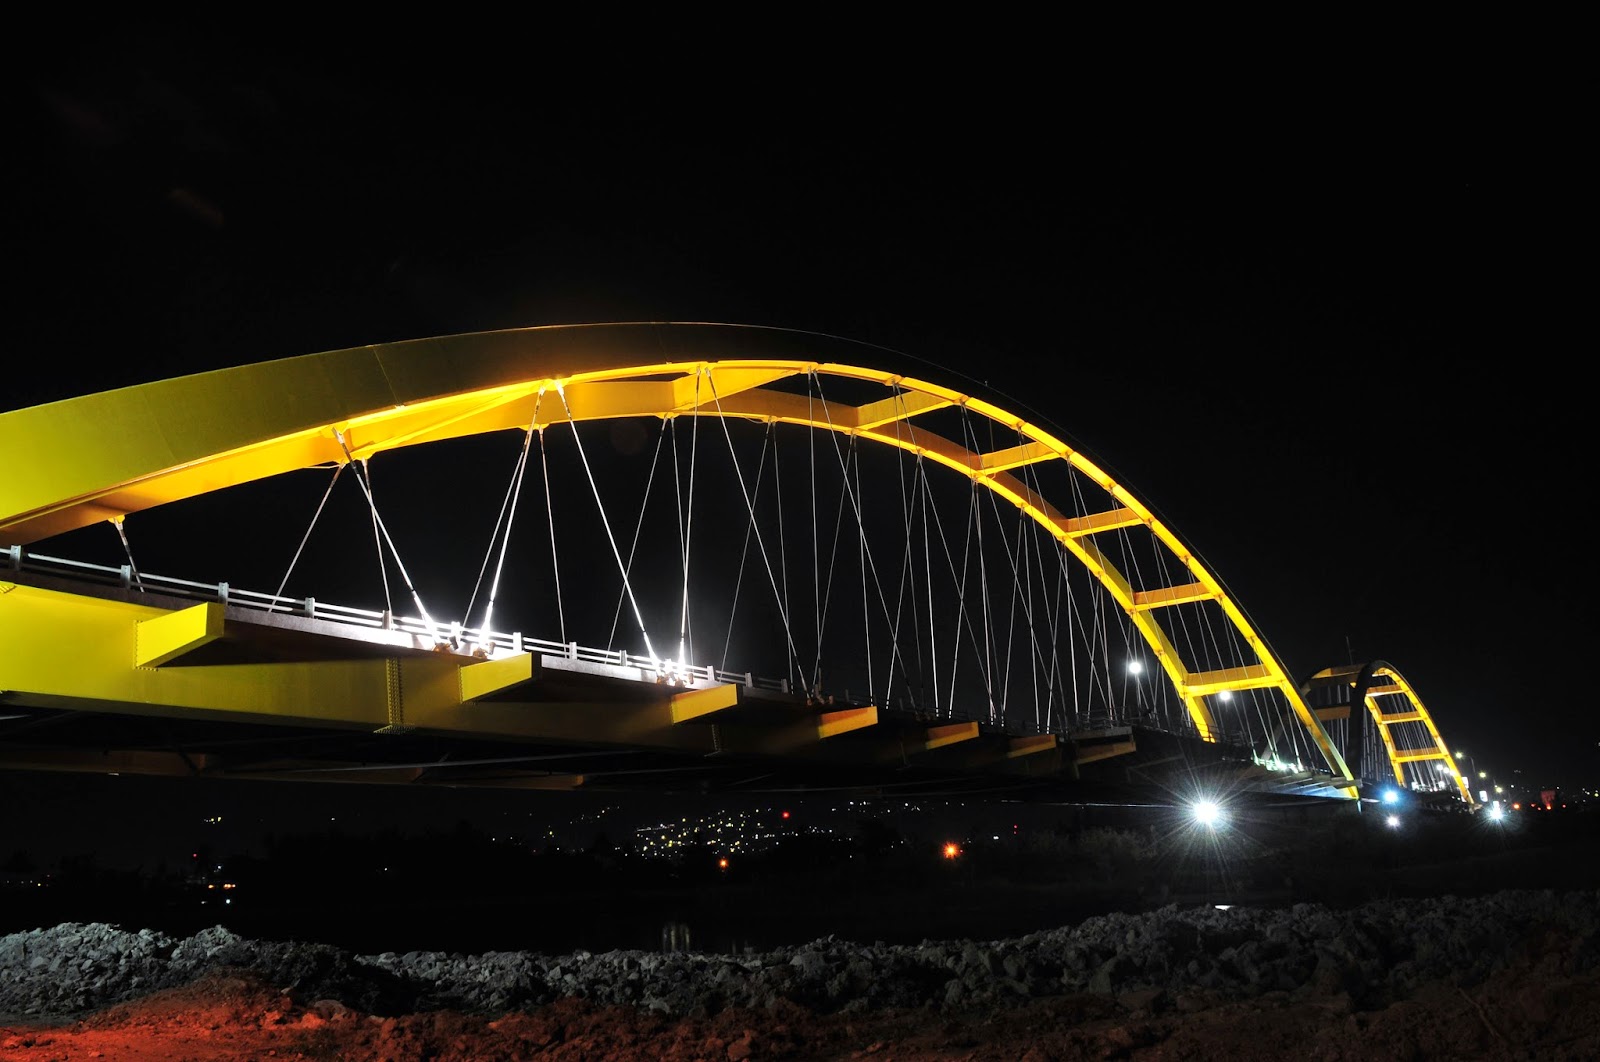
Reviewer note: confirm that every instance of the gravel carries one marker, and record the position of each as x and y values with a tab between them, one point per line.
1376	952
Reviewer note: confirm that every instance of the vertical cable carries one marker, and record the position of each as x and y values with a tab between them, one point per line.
363	477
338	469
688	520
606	523
550	518
507	505
861	540
133	569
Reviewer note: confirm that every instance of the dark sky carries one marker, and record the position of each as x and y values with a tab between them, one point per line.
1327	332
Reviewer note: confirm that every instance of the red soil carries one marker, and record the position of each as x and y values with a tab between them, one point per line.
1538	1009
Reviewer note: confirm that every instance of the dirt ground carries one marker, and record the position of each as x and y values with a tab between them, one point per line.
1537	1010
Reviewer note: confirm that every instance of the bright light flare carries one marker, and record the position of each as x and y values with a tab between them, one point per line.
951	850
1496	812
1208	813
1393	822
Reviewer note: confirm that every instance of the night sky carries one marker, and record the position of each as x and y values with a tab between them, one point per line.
1327	334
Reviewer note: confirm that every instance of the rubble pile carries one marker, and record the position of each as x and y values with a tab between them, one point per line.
1375	952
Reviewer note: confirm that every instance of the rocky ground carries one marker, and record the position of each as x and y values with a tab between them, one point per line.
1514	974
1418	968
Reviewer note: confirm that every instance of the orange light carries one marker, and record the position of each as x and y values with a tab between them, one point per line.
723	862
951	850
1516	807
785	814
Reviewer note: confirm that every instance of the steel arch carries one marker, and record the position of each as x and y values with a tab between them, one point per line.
1372	685
102	456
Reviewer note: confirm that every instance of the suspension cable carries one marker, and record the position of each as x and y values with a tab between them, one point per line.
744	551
638	529
907	572
816	561
133	569
508	512
363	475
615	553
338	470
861	542
927	562
854	497
983	575
550	521
783	549
688	517
749	506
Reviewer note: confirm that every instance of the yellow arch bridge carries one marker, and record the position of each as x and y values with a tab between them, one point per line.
745	558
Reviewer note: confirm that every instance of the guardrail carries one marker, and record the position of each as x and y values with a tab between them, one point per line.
18	559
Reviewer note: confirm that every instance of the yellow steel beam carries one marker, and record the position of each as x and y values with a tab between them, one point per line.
1093	524
899	407
1398	686
951	734
692	705
1390	718
492	676
1172	595
717	383
1094	753
1338	712
1027	453
831	724
1249	677
798	736
1028	746
164	638
1415	755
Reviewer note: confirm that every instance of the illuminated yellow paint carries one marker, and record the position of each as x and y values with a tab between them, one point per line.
1027	746
1417	713
941	736
102	456
1374	698
170	635
697	704
1110	750
492	676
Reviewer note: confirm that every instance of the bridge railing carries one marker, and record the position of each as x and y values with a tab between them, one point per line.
18	559
125	577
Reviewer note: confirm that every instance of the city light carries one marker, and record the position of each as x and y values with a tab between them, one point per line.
1208	813
951	850
1393	822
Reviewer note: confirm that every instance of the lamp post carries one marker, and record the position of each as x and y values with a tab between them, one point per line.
1136	669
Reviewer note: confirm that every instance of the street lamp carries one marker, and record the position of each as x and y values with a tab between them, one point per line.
1136	668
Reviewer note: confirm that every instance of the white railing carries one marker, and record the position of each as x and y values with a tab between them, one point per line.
18	559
